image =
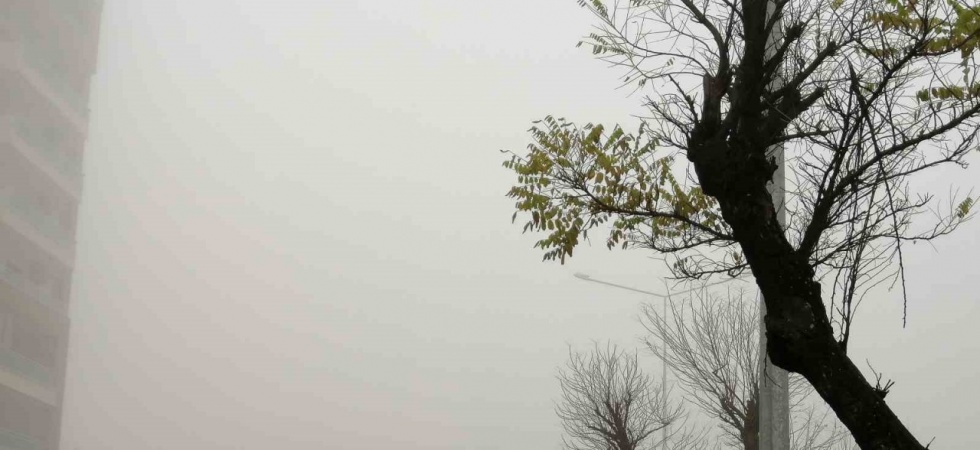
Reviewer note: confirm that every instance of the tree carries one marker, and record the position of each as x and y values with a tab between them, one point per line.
862	94
608	403
712	346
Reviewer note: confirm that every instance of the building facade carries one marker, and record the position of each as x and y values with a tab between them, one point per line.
48	53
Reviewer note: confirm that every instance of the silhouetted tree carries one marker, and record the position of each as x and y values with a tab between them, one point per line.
608	403
862	94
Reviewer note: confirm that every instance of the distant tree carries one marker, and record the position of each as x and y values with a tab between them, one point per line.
862	94
608	403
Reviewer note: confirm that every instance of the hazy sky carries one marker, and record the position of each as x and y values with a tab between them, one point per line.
294	235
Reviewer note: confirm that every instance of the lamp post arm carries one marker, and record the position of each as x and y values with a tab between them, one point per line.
586	277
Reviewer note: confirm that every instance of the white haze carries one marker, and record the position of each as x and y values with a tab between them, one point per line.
294	235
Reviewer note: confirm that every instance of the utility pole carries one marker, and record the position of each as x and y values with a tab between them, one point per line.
663	379
773	381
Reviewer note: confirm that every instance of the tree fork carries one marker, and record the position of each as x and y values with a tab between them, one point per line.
800	337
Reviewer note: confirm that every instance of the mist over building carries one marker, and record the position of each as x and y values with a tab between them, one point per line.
48	53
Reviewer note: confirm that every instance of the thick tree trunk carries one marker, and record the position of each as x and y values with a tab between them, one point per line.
750	428
729	157
800	336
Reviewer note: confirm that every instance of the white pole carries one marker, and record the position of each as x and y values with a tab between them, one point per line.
773	381
663	383
663	379
587	277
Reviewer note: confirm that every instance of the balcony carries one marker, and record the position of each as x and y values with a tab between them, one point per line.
54	78
61	164
44	222
12	440
46	79
26	368
45	293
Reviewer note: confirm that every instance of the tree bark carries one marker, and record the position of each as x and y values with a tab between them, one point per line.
800	335
750	429
730	159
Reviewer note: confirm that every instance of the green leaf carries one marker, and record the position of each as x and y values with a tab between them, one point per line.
963	209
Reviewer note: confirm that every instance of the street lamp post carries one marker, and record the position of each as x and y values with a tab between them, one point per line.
773	381
663	385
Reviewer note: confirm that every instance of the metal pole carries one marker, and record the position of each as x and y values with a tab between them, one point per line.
663	384
663	376
773	381
586	277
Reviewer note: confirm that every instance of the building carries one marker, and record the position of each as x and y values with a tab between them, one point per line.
47	56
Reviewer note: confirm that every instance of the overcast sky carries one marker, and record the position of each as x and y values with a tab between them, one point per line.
294	235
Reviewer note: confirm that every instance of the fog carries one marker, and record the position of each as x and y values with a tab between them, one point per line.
293	234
